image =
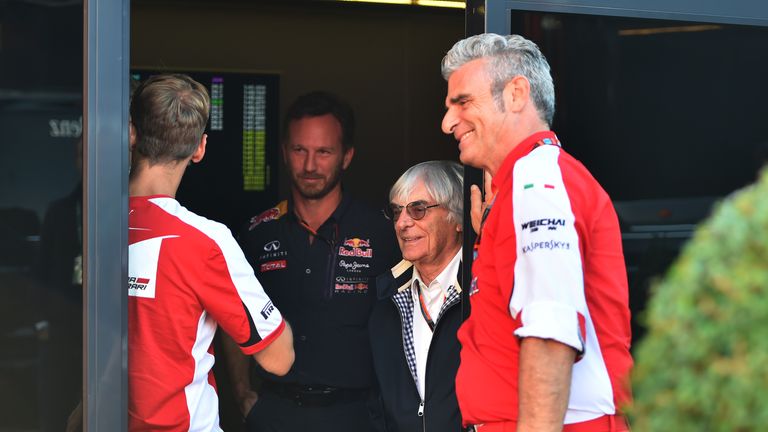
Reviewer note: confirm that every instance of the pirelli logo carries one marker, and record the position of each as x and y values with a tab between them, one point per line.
267	310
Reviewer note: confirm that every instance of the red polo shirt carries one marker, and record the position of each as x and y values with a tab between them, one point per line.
549	265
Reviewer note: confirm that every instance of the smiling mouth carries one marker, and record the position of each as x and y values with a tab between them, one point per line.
465	135
409	239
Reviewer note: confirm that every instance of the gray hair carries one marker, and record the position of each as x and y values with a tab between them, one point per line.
508	57
444	182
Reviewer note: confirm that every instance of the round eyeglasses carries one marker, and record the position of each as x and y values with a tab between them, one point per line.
416	210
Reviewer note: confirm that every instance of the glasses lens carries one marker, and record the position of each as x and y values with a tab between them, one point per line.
393	211
417	210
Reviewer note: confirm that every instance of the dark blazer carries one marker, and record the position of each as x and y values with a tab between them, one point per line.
399	406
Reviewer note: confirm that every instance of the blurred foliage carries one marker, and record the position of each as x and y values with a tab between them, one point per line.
703	365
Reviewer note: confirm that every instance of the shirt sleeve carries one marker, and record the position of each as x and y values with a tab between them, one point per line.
548	296
235	298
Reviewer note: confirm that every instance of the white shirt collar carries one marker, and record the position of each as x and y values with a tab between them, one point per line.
443	280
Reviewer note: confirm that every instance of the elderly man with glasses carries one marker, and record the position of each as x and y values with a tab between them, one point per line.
413	326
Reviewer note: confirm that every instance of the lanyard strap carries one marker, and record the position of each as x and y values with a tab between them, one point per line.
330	242
423	308
487	210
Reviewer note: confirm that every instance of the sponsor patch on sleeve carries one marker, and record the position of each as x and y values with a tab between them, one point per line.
266	311
274	213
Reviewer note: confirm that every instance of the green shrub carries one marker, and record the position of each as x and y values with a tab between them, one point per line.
703	365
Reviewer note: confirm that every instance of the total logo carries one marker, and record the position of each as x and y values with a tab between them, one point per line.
273	265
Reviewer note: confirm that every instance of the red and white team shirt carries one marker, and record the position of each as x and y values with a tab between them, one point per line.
549	265
186	274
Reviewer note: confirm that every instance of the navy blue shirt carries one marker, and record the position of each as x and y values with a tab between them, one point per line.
325	288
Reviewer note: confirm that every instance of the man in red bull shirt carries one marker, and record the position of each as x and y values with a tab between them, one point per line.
318	256
546	346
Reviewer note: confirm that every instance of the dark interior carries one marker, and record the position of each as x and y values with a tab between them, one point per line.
668	116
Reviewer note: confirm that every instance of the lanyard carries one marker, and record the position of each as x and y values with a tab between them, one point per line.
330	242
487	210
423	307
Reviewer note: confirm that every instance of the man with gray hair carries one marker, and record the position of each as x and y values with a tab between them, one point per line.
546	347
413	325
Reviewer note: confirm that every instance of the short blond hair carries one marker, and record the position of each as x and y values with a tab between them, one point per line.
169	113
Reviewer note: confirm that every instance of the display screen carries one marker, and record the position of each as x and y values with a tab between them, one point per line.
238	175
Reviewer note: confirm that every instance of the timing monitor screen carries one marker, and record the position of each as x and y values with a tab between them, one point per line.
657	109
237	178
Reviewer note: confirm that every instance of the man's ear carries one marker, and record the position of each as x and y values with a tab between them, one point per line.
131	136
197	156
517	93
348	155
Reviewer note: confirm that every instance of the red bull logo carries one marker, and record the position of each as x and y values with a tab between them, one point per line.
357	242
351	287
356	252
271	214
356	245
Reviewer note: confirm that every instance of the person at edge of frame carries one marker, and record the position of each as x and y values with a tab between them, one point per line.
186	273
546	345
413	325
317	254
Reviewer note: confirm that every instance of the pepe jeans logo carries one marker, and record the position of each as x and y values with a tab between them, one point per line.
353	266
272	246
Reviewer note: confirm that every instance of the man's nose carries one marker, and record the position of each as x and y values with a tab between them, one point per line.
449	121
309	163
404	220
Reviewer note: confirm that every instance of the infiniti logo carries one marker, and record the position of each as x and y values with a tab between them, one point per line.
272	246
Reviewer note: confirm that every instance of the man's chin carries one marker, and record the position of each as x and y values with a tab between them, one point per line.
315	190
312	193
467	159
